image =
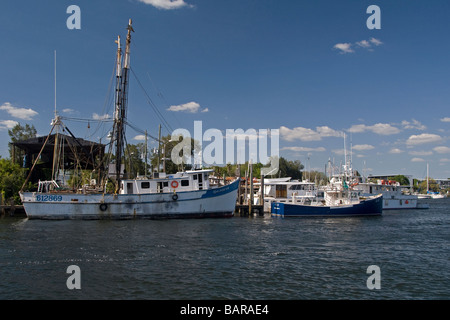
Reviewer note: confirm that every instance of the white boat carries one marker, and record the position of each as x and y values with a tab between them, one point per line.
286	190
182	195
430	194
176	196
394	196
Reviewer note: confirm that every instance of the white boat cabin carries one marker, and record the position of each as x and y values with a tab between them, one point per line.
178	182
286	188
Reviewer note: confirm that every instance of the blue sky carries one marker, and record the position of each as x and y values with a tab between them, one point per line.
309	68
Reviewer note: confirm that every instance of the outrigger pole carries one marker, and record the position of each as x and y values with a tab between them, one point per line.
121	101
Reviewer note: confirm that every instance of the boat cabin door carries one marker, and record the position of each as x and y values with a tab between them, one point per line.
281	191
200	181
159	187
129	187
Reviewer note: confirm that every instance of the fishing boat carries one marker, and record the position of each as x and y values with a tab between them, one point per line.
335	205
339	200
393	195
186	194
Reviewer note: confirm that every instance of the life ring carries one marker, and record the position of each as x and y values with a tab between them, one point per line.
406	201
174	184
103	207
175	197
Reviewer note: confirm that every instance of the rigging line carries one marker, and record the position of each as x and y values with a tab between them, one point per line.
86	120
140	130
150	101
108	99
152	104
161	95
37	158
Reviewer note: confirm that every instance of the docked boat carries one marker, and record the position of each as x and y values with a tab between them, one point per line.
185	194
339	200
287	190
370	206
430	194
394	196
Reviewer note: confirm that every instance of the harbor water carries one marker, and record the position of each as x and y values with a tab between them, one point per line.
236	258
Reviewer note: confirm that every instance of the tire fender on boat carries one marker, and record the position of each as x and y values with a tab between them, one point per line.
103	207
175	197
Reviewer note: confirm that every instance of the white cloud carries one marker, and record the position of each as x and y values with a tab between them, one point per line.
420	153
363	147
191	107
100	117
395	151
205	110
7	124
20	113
444	160
442	149
139	137
423	138
413	125
325	131
344	47
446	119
166	4
306	134
379	128
376	42
417	160
304	149
363	43
68	110
339	152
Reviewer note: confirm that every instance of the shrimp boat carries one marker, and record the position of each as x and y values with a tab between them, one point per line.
185	194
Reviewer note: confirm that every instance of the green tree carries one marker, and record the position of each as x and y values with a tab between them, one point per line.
134	160
432	186
18	133
319	178
404	181
164	157
11	180
288	168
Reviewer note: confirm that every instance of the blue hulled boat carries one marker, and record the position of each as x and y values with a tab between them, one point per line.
370	206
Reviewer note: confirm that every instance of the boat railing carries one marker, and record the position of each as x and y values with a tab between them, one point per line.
47	185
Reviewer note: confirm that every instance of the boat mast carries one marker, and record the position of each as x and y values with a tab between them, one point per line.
121	101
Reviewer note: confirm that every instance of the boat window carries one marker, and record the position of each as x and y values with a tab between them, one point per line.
184	183
145	185
166	184
195	177
130	187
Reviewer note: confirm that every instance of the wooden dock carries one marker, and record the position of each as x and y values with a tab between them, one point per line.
246	210
12	211
245	205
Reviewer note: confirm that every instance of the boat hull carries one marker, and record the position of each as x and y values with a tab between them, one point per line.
368	207
396	203
217	202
